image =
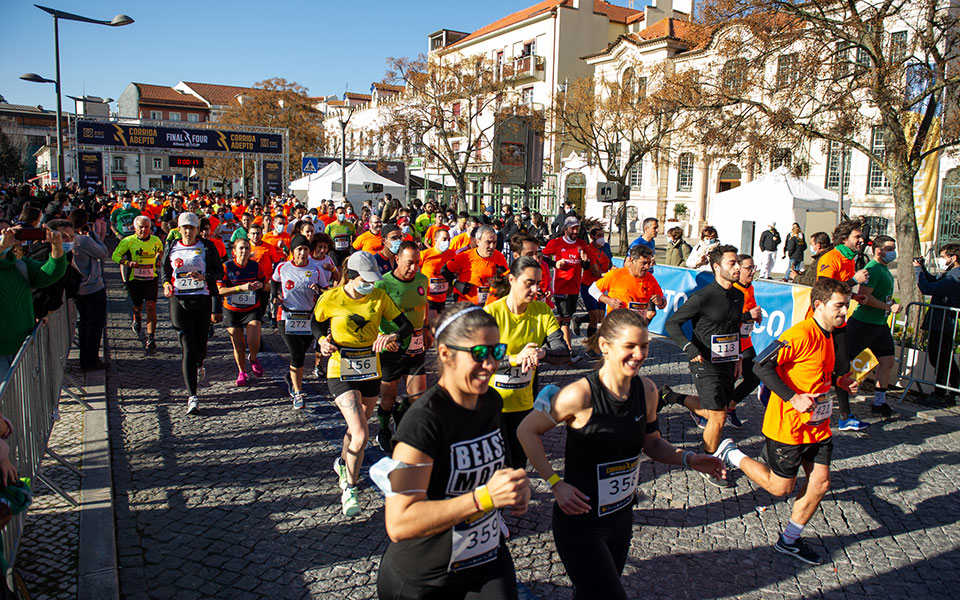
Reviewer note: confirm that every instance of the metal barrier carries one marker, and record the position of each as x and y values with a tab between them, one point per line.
915	344
29	398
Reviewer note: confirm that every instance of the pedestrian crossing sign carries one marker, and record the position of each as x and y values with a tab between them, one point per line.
310	164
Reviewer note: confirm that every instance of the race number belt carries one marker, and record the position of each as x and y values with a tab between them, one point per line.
475	541
438	285
482	292
616	484
725	348
184	283
510	377
359	364
638	307
143	273
341	242
416	342
821	411
247	298
297	323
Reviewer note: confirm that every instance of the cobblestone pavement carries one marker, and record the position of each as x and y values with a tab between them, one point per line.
242	502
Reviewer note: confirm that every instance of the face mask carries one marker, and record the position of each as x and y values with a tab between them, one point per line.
278	228
712	242
600	241
395	246
127	205
406	229
341	217
349	211
889	257
67	247
443	246
380	474
364	288
942	263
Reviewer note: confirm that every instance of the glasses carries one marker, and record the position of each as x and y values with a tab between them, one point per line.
481	352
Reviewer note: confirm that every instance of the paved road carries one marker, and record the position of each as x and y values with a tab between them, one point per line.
242	502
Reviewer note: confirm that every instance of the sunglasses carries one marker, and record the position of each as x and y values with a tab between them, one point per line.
481	352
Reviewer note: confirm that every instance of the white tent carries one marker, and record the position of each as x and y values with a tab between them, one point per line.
778	197
301	187
329	185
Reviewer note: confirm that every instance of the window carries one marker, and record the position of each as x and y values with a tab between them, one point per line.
685	172
788	70
456	109
174	116
193	117
734	71
641	90
526	95
157	164
529	48
613	158
156	115
834	158
781	157
898	45
876	179
626	84
841	60
118	164
455	146
636	174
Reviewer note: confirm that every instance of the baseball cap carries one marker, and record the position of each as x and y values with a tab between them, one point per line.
403	221
364	264
571	222
188	218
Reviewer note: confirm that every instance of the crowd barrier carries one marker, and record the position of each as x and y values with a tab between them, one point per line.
29	398
914	342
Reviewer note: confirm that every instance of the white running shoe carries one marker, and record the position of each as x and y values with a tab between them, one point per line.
193	405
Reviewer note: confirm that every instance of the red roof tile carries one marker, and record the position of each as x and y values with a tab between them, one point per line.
388	87
357	96
218	94
162	94
693	33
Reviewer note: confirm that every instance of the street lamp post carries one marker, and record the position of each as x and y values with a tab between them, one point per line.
118	21
343	146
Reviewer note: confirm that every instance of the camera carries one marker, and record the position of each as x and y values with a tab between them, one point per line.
918	259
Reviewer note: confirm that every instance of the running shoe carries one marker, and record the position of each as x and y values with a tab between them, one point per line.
733	420
400	408
193	405
201	373
290	391
256	367
317	373
151	344
576	326
385	439
799	551
723	452
298	400
881	410
350	502
715	481
852	424
136	326
243	379
341	470
698	420
210	332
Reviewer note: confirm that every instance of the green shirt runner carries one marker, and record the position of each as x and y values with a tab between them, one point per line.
122	220
411	298
881	280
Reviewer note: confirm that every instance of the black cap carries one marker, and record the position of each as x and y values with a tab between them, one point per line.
297	241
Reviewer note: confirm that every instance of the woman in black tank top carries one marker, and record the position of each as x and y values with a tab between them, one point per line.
611	418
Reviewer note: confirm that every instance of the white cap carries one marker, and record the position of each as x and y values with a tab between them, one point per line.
188	218
571	222
364	264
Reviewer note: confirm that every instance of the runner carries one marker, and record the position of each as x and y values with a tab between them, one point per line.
353	314
226	229
442	514
121	219
438	225
796	426
838	264
191	270
243	279
466	239
523	244
408	290
432	261
341	232
532	335
610	417
296	285
471	271
569	252
747	351
632	286
868	326
370	241
386	257
139	253
278	236
716	313
599	261
267	255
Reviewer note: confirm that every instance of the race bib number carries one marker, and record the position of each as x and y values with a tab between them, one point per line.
511	378
638	307
127	228
341	243
475	541
821	411
358	365
182	283
616	484
297	323
725	348
746	329
416	342
438	285
244	299
482	293
143	273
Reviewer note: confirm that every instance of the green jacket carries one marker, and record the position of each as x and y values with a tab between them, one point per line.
17	299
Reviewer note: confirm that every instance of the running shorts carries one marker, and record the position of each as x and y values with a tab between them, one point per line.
877	338
715	384
236	318
142	290
437	306
369	388
394	365
785	459
566	305
589	302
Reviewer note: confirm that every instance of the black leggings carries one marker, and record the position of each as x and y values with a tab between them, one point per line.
594	551
841	366
502	585
297	345
750	380
191	318
511	421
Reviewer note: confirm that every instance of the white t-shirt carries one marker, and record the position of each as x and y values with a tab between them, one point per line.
295	293
188	259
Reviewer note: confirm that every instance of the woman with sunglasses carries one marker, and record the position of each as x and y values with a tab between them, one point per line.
611	418
442	515
531	333
349	317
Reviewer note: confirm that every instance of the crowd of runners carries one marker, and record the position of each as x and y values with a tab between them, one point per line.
369	292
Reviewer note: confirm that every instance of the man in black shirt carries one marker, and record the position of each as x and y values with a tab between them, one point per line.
715	312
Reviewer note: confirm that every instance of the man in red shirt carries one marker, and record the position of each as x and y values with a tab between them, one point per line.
569	253
597	265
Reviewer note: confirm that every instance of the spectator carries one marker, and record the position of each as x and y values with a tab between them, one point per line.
648	234
820	245
562	215
699	255
538	227
18	277
769	242
391	209
50	298
941	324
678	250
91	298
793	249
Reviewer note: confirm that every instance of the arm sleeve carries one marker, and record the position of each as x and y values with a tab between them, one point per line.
555	345
945	286
674	326
94	247
166	267
404	326
595	291
767	372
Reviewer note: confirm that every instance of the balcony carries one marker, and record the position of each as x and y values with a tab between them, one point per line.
524	68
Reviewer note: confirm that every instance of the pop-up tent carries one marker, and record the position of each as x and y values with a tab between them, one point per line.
301	187
328	186
743	213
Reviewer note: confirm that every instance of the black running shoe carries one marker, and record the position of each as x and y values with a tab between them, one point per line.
799	551
882	410
385	439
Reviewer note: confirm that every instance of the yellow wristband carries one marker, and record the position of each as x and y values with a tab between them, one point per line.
483	497
554	480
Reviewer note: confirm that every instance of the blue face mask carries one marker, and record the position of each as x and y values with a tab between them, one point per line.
889	257
67	247
406	229
127	205
341	217
395	246
364	288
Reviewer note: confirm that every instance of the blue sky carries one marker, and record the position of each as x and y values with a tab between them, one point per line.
321	45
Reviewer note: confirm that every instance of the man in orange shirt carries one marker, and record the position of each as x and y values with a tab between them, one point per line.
747	352
330	215
465	238
278	236
631	286
798	369
431	262
433	229
267	256
370	241
470	272
839	264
